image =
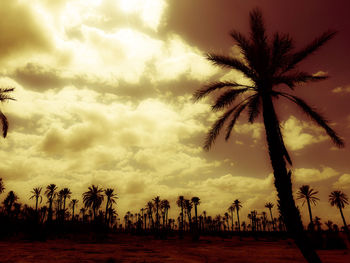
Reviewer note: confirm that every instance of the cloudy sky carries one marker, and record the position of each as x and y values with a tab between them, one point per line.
103	96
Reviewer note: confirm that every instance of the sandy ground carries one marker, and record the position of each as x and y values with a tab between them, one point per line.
146	249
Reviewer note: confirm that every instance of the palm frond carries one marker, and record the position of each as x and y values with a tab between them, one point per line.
316	117
281	45
231	63
253	108
227	98
239	108
199	94
215	129
5	124
291	80
310	49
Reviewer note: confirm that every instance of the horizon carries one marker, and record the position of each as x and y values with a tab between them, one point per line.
104	90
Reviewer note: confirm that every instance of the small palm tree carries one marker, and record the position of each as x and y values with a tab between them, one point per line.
156	202
180	203
195	201
73	203
93	199
340	199
237	205
2	187
9	201
165	205
308	194
111	199
37	195
270	206
231	209
50	194
270	65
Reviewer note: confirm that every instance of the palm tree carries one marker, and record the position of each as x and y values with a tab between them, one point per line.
93	199
66	193
9	201
308	194
2	187
340	199
180	203
237	205
83	211
165	205
318	223
156	202
73	204
5	97
111	199
270	66
50	194
36	194
195	201
149	212
270	206
231	209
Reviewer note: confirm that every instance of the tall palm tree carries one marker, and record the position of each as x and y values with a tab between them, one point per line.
73	203
231	209
149	212
93	198
165	205
270	206
64	194
50	194
180	203
237	205
195	201
4	96
111	199
189	206
340	199
156	202
270	65
308	194
37	195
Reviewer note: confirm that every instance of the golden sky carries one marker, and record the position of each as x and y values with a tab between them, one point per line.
104	87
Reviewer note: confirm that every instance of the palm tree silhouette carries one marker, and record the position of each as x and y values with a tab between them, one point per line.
237	205
165	205
93	199
340	199
9	201
111	199
2	187
180	203
4	96
231	209
270	66
64	194
73	203
270	206
50	194
156	202
195	201
36	194
317	223
308	194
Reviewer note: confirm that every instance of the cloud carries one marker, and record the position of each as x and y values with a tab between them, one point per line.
343	182
309	175
340	89
20	29
298	134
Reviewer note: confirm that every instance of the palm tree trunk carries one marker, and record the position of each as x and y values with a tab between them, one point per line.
273	222
344	222
36	204
239	224
106	210
310	214
283	183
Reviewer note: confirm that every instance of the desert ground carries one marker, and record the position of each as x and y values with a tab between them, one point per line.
128	248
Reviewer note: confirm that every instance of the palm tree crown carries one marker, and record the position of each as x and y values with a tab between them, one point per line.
4	96
338	199
308	194
93	198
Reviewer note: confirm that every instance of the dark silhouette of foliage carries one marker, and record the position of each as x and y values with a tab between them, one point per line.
308	194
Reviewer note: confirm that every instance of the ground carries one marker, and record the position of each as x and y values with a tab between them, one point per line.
127	248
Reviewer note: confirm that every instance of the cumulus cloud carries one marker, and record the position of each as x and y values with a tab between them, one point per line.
298	134
343	182
308	175
341	89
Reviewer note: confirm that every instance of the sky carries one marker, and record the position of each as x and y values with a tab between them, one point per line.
104	88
